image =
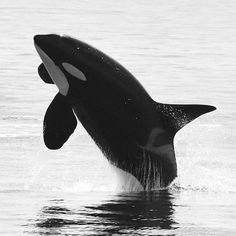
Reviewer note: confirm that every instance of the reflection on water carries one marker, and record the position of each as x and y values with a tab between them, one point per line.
138	213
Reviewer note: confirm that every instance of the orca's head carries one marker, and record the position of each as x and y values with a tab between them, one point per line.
61	56
85	74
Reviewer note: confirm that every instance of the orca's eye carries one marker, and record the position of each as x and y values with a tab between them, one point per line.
74	71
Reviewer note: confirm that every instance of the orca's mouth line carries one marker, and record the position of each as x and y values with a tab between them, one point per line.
54	71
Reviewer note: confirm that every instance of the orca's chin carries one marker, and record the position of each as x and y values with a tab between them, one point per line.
54	71
38	38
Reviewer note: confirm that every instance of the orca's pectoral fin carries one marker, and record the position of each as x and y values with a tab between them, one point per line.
179	115
59	122
43	73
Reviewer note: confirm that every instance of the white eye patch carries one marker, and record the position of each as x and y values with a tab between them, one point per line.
74	71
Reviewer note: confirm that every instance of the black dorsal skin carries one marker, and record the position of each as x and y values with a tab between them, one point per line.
134	132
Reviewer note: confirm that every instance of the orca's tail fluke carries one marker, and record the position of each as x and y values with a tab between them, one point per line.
177	116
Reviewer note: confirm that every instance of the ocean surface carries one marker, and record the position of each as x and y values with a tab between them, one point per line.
182	52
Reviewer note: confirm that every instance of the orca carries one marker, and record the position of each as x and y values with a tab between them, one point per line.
134	132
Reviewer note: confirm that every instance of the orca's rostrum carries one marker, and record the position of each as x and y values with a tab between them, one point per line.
133	131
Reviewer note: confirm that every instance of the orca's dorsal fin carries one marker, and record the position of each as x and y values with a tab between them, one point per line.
177	116
59	122
44	75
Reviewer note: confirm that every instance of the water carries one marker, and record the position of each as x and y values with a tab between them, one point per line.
182	52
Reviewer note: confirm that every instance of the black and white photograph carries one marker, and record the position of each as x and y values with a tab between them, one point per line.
118	117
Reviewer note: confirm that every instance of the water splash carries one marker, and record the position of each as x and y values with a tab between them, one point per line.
203	165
